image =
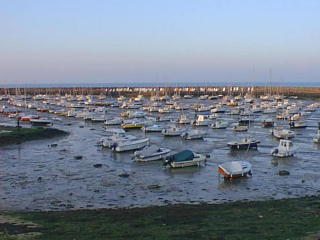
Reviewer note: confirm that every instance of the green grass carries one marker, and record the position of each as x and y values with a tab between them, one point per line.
18	135
272	219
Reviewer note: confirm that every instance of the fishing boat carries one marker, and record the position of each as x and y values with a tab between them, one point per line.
234	169
127	145
173	131
282	133
285	149
152	128
244	144
185	158
151	153
193	134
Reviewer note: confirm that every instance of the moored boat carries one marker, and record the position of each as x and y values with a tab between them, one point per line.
244	144
151	153
285	149
234	169
185	158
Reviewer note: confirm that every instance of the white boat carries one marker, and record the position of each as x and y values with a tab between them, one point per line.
185	158
116	137
173	131
202	120
244	144
285	149
152	128
193	134
282	133
219	125
235	169
127	145
151	153
114	121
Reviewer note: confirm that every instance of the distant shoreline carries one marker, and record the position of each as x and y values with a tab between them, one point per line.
302	92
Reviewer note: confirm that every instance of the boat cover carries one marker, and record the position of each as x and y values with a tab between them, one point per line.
185	155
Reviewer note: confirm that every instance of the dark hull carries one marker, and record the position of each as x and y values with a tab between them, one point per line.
243	146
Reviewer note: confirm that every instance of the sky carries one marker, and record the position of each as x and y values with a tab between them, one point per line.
128	41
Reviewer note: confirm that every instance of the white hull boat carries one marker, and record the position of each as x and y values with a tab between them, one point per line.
127	145
193	134
185	158
172	131
235	169
285	149
152	128
152	153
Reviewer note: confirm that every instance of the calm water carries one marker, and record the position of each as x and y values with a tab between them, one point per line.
36	176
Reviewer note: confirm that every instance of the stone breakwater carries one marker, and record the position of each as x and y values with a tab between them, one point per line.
305	92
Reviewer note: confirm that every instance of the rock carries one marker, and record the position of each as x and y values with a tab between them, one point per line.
39	179
78	157
98	165
124	174
154	186
81	126
283	173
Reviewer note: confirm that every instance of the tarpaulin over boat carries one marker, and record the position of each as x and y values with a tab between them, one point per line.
185	155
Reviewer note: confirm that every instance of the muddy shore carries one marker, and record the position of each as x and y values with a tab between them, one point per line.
273	219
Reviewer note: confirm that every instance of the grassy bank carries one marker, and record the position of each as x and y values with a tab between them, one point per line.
272	219
14	135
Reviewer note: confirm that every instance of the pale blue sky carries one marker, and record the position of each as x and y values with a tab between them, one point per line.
83	41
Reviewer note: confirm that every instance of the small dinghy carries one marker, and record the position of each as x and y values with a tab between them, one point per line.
151	153
234	169
185	158
114	121
239	128
267	123
127	145
219	125
193	134
173	131
152	128
244	144
285	149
